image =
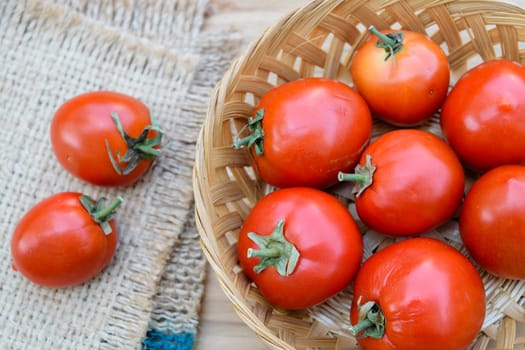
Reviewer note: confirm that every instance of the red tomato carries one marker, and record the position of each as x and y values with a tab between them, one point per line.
403	75
407	182
304	132
492	221
483	118
300	246
105	138
64	240
419	293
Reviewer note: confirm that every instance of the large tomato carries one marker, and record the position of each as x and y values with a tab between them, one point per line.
300	246
416	294
105	138
492	221
483	118
408	181
64	240
403	75
304	132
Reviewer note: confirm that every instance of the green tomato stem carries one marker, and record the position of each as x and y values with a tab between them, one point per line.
256	136
352	177
248	141
265	252
139	148
383	37
392	43
362	177
361	327
371	321
100	213
106	212
274	250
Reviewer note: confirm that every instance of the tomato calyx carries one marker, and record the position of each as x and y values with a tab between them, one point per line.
99	212
362	177
392	43
256	136
274	250
371	321
139	148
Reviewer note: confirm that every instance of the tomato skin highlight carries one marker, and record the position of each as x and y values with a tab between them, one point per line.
406	89
57	243
324	233
83	124
431	296
418	183
313	128
492	221
483	118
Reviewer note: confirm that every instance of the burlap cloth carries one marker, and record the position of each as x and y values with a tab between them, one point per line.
51	50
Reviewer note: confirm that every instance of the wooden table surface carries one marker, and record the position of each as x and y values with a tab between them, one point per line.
220	327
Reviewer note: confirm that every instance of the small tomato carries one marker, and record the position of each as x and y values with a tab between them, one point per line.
492	221
483	118
305	131
415	294
64	240
105	138
403	75
408	181
300	246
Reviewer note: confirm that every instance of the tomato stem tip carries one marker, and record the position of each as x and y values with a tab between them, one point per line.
392	43
371	321
275	250
362	177
139	148
255	138
101	213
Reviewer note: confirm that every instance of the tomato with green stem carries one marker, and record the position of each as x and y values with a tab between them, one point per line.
408	181
415	294
305	131
483	118
65	240
300	246
105	138
403	75
492	221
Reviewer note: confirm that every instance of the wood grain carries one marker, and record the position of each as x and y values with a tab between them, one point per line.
249	17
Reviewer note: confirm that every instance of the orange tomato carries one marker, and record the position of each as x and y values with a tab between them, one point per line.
403	76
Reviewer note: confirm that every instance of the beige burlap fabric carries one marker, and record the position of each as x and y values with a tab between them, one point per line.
158	52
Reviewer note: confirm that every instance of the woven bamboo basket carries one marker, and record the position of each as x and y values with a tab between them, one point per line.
319	40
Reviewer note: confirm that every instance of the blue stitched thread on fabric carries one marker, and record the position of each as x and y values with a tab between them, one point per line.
156	340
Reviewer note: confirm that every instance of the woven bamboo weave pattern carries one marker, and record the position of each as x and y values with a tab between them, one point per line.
319	40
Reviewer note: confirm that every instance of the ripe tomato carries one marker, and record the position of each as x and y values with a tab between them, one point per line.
407	182
403	75
416	294
64	240
304	132
105	138
483	118
300	246
492	221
